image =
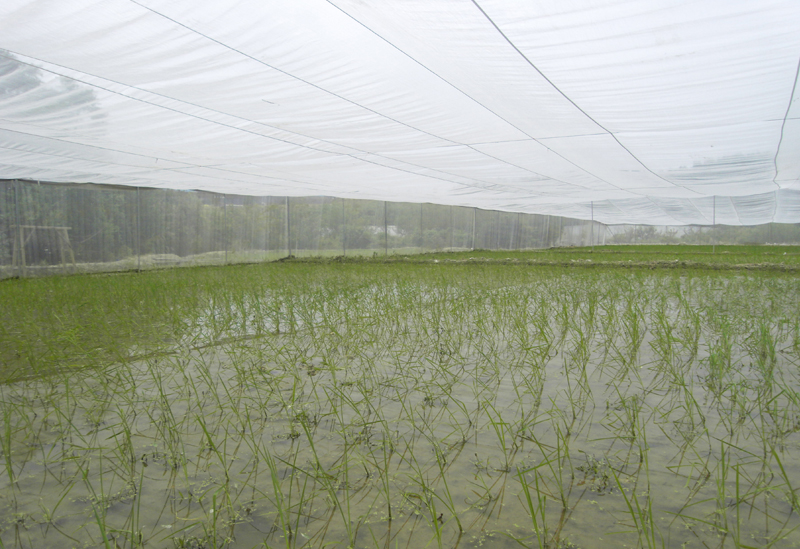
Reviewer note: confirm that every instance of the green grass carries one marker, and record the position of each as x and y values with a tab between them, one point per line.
694	256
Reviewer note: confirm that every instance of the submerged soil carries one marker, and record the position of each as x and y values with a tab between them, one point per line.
434	405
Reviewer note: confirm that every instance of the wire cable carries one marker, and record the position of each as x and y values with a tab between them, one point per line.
574	104
354	103
783	125
465	94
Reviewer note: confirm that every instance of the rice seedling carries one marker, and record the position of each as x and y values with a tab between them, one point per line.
366	405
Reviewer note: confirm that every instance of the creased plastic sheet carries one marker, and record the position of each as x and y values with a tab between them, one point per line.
647	110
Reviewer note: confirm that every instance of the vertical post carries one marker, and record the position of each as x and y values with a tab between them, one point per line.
385	230
714	224
451	228
421	232
497	230
225	225
474	210
22	241
591	232
288	229
547	233
60	244
19	245
138	231
265	203
344	230
165	226
519	231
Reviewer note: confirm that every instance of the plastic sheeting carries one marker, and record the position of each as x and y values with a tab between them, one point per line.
644	112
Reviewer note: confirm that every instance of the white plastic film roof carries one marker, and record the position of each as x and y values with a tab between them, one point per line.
652	111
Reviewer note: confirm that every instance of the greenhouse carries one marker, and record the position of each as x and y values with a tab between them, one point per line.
347	273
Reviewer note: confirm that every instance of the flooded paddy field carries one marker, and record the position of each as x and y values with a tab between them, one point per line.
296	405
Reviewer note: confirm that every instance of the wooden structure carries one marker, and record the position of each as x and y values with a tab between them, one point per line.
24	233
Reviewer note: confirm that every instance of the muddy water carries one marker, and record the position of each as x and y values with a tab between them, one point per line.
651	418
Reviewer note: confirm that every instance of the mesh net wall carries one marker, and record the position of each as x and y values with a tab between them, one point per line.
52	228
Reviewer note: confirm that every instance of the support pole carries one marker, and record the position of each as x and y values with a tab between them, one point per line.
474	210
714	224
265	203
225	225
421	232
19	244
591	233
138	231
497	230
451	228
547	243
344	230
385	230
288	229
